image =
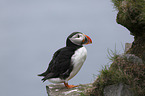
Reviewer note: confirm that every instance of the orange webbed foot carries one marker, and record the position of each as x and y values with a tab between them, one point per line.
69	86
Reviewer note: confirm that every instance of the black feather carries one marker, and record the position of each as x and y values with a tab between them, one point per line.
60	65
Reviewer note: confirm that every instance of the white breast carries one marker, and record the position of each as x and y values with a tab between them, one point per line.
77	60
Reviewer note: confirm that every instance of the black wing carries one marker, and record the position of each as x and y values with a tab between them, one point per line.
60	65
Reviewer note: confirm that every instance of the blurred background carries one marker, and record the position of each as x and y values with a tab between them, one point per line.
32	30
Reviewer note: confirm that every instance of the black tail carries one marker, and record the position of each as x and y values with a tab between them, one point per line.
44	79
40	75
43	74
47	76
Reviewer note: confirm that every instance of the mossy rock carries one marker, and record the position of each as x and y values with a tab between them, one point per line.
131	14
127	69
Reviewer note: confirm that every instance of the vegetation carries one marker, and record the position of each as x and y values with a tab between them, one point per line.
123	70
132	16
129	68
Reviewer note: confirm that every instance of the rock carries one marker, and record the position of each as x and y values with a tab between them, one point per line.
118	90
61	90
127	47
132	58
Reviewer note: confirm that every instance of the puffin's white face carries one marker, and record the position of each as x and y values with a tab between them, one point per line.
77	39
80	39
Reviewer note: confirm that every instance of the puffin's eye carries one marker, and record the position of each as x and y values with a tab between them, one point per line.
78	36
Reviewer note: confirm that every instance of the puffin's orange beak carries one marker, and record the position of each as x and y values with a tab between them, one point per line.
87	40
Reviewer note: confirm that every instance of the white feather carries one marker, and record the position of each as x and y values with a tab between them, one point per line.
77	60
56	80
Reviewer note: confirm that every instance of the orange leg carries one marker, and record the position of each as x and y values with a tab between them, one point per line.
69	86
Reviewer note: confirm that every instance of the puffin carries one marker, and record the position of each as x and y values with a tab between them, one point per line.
67	61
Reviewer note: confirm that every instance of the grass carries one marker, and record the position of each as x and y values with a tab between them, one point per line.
112	55
131	15
82	94
123	71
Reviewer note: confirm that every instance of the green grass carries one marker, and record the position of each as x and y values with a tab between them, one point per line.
82	94
112	55
123	71
131	14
